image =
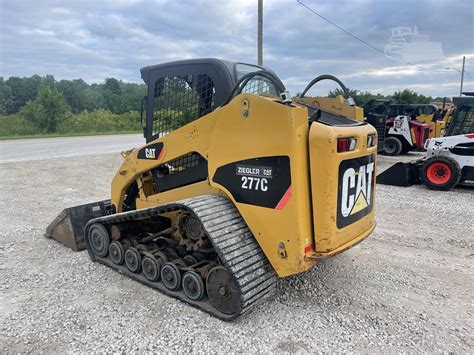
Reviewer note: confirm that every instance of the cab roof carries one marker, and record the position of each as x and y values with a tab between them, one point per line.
226	68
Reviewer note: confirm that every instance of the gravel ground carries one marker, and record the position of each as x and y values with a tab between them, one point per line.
406	288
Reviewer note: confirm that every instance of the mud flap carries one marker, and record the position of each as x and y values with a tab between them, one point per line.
401	174
68	227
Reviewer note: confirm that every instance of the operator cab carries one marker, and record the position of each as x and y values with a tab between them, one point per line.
182	91
463	119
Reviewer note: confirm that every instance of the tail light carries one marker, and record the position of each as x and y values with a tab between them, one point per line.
371	140
427	143
346	144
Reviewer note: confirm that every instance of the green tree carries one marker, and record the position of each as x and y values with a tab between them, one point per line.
22	91
48	80
408	96
113	86
74	92
5	97
93	99
46	110
360	97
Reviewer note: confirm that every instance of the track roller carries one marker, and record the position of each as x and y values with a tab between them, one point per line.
193	286
151	268
117	253
133	260
171	276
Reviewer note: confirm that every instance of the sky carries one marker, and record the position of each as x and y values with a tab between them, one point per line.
94	40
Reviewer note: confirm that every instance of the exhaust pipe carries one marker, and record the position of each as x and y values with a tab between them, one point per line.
401	174
68	227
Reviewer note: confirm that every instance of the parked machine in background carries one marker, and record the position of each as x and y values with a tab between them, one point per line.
432	116
448	159
408	126
402	132
236	185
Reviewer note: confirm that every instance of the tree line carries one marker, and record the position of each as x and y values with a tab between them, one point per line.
405	96
114	95
42	105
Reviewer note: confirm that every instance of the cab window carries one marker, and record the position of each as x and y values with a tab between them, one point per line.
257	85
179	100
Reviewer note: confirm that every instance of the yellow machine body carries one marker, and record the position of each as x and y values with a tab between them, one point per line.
325	201
437	128
334	105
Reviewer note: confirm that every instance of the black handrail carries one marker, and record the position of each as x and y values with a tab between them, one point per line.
326	77
246	78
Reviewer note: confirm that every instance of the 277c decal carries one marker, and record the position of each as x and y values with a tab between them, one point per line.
253	183
263	181
254	177
356	187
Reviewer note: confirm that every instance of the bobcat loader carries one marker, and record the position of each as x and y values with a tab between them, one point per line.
235	186
448	160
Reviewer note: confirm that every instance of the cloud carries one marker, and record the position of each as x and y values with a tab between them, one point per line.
94	39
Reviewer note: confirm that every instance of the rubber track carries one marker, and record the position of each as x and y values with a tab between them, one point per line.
232	240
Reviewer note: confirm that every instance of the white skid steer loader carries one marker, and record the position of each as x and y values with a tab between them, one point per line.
448	160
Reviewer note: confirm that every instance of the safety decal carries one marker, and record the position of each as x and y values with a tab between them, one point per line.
356	189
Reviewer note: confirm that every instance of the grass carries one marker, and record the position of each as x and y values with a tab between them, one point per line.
99	122
60	135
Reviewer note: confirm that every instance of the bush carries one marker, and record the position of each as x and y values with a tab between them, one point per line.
15	125
96	122
46	110
100	121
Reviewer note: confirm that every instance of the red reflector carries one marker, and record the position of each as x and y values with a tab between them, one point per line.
343	145
346	144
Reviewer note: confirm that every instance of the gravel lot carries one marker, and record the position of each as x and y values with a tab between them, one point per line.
406	288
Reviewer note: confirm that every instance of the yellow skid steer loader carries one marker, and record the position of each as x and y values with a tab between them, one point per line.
236	185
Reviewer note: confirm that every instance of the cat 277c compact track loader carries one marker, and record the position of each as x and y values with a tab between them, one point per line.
235	186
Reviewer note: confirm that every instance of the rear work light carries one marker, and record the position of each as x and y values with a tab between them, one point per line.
346	144
371	140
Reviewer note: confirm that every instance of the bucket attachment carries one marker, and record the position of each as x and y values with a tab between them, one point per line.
401	174
68	227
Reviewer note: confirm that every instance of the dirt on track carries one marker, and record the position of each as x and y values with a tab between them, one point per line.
408	287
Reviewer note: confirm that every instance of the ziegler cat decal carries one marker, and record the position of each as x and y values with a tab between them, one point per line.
264	181
356	189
